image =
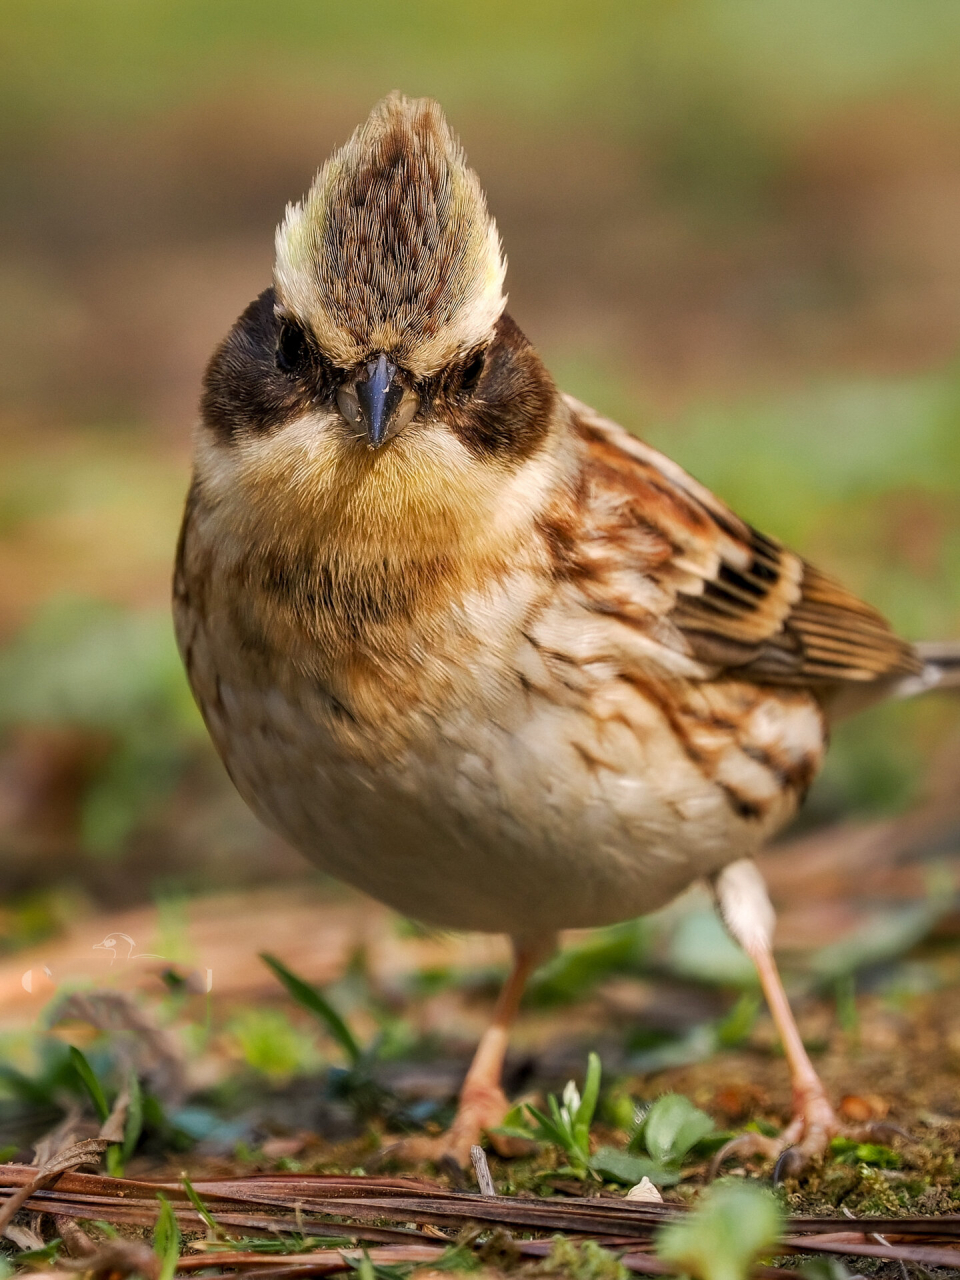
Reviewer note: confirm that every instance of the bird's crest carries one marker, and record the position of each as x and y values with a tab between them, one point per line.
393	249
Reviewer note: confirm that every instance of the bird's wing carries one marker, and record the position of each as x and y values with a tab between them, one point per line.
671	556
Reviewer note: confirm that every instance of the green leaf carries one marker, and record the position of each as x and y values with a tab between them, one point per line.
166	1239
672	1126
733	1224
310	998
621	1166
90	1082
134	1122
456	1257
557	1114
583	1118
515	1122
48	1253
364	1268
546	1130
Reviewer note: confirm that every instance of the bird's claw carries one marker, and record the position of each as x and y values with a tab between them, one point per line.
744	1146
805	1140
480	1114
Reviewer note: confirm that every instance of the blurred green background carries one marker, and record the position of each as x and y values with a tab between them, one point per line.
732	224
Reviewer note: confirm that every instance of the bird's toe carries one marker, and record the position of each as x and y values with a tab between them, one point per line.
805	1140
479	1115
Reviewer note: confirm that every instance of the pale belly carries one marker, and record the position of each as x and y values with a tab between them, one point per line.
533	818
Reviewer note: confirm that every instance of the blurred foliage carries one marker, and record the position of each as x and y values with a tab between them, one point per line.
721	1239
34	917
112	672
620	948
850	1151
270	1044
51	1075
355	1083
111	57
312	999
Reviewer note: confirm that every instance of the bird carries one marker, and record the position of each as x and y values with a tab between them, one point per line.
470	646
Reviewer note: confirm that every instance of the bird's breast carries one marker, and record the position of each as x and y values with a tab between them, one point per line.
507	759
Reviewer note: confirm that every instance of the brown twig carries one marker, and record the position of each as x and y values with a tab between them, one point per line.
357	1208
922	1254
79	1153
478	1158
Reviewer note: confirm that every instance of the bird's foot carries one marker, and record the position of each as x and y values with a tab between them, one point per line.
804	1141
482	1110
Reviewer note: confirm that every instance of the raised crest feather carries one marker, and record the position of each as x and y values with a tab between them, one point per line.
393	249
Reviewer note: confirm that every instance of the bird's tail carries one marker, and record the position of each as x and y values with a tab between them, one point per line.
941	668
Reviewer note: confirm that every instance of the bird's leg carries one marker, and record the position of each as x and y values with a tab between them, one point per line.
483	1104
748	915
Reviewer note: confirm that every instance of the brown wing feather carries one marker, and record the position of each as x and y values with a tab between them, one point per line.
741	602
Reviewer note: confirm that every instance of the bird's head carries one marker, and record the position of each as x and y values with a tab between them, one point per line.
379	381
391	267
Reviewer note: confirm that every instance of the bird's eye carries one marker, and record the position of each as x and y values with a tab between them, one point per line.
472	371
348	404
292	349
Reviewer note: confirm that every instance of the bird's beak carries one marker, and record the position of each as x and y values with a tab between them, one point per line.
379	395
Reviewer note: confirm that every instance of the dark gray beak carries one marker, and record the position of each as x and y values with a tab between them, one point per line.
379	395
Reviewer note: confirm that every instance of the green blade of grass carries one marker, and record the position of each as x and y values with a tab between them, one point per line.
364	1268
47	1254
310	998
90	1082
588	1104
134	1124
108	1229
166	1239
546	1130
200	1207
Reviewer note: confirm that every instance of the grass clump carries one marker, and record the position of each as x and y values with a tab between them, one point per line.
567	1126
586	1260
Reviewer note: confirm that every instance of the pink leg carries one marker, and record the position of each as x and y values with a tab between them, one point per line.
483	1104
747	913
